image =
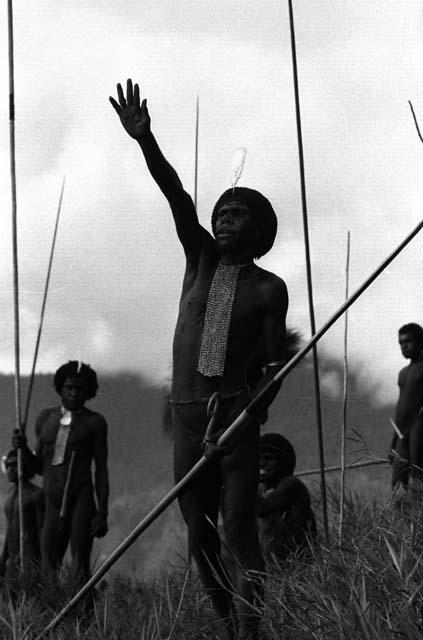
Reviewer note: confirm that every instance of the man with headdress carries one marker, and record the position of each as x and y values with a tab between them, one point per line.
228	306
33	517
69	438
407	451
285	518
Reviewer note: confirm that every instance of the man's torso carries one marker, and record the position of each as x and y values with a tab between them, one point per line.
244	330
80	441
410	401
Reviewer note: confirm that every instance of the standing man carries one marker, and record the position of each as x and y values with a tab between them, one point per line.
228	308
408	451
33	517
69	438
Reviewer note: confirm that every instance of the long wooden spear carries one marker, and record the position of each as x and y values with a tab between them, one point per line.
309	277
236	427
345	400
197	123
43	308
18	423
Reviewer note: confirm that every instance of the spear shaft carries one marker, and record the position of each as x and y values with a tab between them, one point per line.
237	425
308	268
197	124
43	307
345	400
353	465
18	423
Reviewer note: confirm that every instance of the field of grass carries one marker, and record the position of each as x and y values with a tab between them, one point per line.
369	588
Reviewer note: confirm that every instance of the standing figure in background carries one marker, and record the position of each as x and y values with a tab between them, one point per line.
285	518
407	452
69	438
33	517
228	306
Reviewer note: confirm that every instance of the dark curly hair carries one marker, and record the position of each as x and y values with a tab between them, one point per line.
414	329
76	369
281	448
262	211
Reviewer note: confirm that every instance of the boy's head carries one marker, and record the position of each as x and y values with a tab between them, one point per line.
277	457
10	467
410	338
243	219
76	383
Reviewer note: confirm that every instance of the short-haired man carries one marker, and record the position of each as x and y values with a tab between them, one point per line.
286	520
69	438
408	450
228	307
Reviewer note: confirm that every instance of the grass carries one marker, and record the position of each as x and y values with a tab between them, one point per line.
369	588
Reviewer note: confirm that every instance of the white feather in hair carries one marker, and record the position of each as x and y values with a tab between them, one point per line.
238	162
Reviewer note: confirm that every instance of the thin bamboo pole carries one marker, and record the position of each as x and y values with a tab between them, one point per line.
345	400
353	465
256	406
43	307
309	276
197	124
18	421
415	121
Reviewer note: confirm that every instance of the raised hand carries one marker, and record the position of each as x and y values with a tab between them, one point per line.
133	115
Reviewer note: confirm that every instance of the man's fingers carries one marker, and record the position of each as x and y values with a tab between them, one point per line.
136	96
129	93
121	97
115	105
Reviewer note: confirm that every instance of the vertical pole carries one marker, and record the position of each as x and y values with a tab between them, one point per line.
43	307
18	424
197	121
309	279
345	400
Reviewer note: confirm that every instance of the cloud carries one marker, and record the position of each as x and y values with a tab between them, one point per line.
118	267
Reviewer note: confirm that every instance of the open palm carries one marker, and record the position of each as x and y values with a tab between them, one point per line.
133	115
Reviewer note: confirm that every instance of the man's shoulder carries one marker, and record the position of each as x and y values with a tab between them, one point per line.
269	279
272	287
96	419
415	369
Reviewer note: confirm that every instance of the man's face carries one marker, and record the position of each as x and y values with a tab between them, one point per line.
410	348
269	467
74	393
12	470
235	228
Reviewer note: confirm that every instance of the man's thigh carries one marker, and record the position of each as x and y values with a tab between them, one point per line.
83	511
202	494
240	469
54	535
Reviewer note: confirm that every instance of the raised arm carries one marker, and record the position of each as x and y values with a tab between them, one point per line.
135	119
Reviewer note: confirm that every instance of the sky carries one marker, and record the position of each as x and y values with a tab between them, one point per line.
118	267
